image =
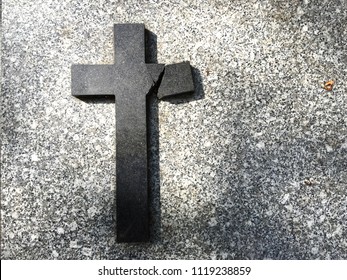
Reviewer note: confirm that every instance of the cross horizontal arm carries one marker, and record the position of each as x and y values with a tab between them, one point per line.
92	80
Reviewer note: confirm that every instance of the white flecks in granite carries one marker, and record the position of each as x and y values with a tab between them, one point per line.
87	252
253	167
34	157
55	254
60	230
92	211
73	226
314	250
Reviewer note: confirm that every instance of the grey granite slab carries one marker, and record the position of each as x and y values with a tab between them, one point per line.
256	169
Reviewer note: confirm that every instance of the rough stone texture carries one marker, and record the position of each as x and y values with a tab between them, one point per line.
253	167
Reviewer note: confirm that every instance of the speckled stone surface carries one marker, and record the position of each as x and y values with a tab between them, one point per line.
253	167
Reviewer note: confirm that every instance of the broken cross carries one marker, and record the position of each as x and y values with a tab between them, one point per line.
130	79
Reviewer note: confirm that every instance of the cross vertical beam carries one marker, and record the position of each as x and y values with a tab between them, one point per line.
132	85
129	43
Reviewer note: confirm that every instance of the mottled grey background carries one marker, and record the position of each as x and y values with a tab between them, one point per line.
252	167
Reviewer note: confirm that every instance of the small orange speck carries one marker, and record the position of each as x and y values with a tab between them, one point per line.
329	85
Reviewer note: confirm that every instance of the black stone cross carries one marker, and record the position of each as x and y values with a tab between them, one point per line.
130	79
